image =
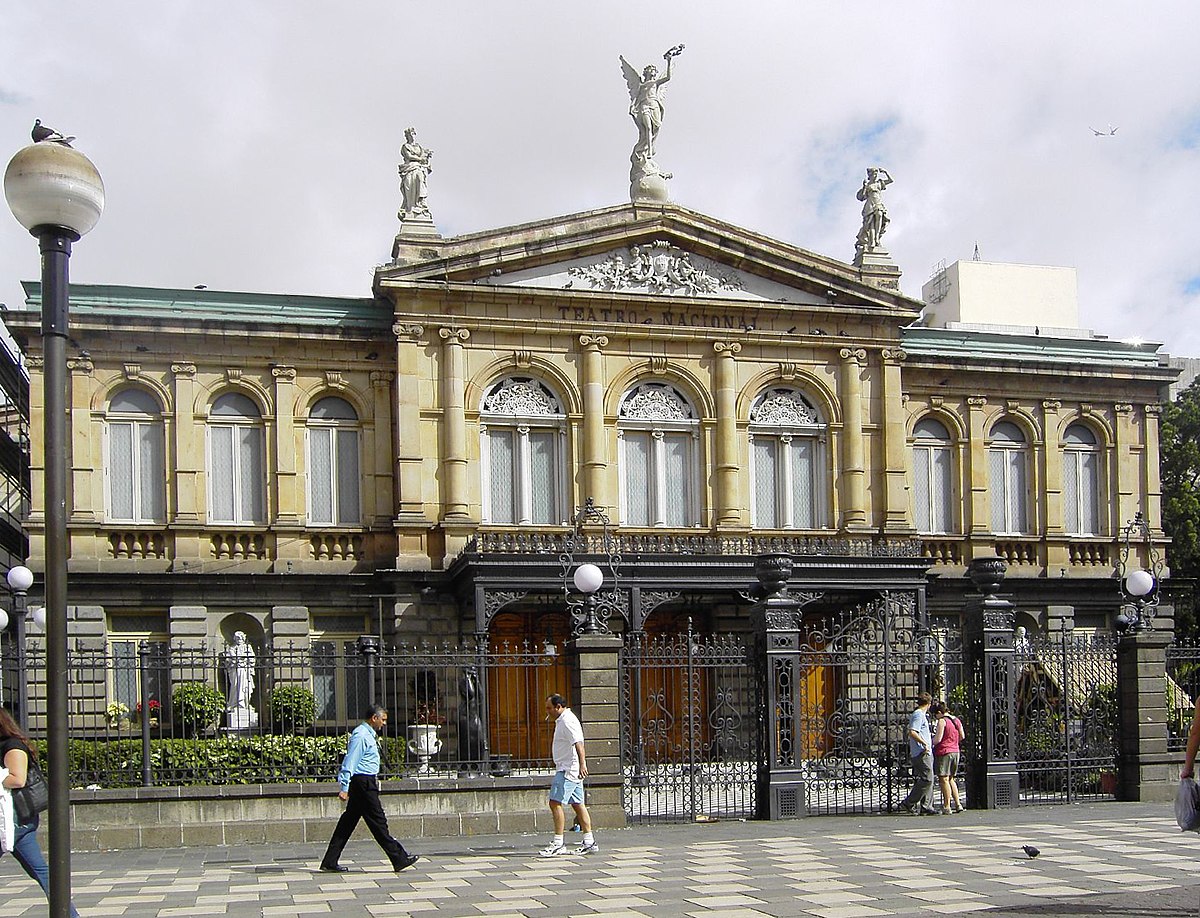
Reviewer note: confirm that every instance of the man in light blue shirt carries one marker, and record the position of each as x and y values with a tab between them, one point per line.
920	748
358	781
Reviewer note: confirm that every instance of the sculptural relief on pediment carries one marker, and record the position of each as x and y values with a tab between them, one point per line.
658	267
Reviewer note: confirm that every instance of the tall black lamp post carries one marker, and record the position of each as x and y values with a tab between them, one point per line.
1139	586
56	193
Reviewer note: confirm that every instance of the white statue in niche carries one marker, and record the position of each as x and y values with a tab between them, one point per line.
239	676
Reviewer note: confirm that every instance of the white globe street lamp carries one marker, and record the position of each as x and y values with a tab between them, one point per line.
20	579
1139	586
56	193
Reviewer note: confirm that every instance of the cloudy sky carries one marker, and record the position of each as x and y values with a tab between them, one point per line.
253	146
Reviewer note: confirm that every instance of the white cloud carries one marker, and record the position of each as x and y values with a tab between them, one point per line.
254	146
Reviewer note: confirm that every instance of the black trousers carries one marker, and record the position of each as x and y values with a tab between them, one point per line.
363	804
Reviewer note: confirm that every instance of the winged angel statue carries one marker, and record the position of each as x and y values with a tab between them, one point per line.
646	94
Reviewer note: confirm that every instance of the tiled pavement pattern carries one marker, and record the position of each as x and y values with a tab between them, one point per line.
836	867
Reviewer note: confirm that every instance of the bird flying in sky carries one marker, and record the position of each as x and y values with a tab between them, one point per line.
1111	132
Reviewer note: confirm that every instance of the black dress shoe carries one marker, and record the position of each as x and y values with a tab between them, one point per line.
407	862
334	868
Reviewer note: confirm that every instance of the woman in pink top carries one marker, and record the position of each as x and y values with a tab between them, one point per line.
947	739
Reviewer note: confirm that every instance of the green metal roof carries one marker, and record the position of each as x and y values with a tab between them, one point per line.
218	305
984	346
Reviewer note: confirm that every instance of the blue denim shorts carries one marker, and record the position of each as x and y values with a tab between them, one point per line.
564	791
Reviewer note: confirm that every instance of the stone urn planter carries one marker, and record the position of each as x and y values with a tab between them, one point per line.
423	742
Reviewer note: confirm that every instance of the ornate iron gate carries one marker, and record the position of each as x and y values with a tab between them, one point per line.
858	676
1066	716
689	726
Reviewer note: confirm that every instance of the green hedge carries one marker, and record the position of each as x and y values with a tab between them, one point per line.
223	760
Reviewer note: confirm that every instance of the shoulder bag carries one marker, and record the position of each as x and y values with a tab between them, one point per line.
33	798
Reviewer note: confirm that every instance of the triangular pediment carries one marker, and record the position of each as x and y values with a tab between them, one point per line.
638	251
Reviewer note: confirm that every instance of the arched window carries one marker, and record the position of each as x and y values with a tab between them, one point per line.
333	473
933	484
237	471
522	431
133	468
1008	457
1081	481
787	469
657	432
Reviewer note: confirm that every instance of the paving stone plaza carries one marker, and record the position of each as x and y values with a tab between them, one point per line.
1098	859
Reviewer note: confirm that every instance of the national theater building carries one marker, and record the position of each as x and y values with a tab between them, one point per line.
406	463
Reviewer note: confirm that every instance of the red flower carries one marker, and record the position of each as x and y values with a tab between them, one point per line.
155	706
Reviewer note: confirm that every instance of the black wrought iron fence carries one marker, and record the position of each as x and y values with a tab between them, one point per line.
158	714
1067	717
1182	689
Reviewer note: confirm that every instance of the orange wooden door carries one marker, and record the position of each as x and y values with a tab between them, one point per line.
520	676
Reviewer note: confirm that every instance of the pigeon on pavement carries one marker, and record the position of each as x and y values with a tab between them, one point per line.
1030	850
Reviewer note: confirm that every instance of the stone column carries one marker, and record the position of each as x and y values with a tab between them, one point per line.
594	464
726	497
977	469
1148	772
992	781
410	496
380	505
190	500
600	710
1150	468
1051	463
289	496
1124	477
454	425
895	444
86	502
854	512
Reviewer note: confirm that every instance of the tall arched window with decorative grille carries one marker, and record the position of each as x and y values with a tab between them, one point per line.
134	471
522	429
788	476
658	435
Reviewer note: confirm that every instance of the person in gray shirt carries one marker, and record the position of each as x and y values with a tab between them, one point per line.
920	748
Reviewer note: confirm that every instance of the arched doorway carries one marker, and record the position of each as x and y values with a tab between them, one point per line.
527	662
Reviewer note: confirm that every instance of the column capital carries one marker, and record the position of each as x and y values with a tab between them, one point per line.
1123	408
726	348
283	373
977	401
593	342
380	379
1153	410
853	354
82	365
894	355
407	332
448	332
183	370
1051	404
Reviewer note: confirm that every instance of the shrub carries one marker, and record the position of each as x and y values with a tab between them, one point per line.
196	706
293	708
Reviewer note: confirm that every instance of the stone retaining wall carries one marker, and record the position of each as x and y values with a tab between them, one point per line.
169	817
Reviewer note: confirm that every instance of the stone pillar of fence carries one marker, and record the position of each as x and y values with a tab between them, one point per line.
1148	771
992	777
599	658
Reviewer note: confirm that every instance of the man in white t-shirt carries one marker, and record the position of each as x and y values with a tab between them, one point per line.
570	763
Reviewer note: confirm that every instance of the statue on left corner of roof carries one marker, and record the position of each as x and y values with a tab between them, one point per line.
875	218
415	166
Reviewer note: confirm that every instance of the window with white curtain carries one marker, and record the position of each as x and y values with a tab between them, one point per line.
333	471
1008	460
933	486
236	466
134	471
657	435
787	462
1081	481
522	435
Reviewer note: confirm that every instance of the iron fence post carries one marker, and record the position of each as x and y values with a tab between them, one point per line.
144	692
691	719
368	646
993	780
1067	706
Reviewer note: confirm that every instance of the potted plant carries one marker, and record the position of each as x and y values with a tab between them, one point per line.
117	714
155	711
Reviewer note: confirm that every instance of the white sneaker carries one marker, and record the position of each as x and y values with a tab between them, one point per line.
553	850
593	848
